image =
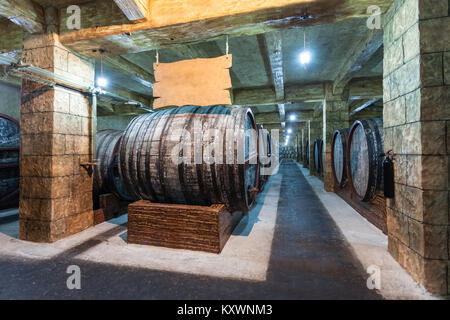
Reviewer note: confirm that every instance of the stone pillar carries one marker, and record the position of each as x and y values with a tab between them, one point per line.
56	126
335	116
417	124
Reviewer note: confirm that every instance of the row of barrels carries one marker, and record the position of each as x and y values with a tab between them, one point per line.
139	162
288	153
318	156
357	158
9	162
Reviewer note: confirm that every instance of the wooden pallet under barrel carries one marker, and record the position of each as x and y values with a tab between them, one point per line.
180	226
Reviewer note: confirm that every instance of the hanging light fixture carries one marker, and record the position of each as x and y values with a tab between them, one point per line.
102	82
305	55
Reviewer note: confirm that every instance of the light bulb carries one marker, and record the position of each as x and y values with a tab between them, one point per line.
102	82
289	130
305	57
293	117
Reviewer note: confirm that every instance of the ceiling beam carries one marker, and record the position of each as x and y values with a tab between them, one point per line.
274	54
266	96
273	117
24	13
366	88
173	24
364	106
362	53
147	101
109	109
134	10
366	114
124	66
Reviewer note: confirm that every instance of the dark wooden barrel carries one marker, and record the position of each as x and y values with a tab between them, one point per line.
365	161
307	152
318	146
153	144
106	173
9	162
339	156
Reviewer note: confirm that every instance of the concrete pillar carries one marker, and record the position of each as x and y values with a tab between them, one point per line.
417	125
56	126
335	116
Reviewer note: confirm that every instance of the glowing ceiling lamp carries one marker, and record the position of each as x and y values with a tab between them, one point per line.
305	56
102	82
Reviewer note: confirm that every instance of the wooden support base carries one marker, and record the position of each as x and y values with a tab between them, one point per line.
181	226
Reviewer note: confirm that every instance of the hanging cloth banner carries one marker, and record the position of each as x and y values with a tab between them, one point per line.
198	82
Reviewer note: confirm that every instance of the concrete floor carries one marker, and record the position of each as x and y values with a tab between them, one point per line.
295	244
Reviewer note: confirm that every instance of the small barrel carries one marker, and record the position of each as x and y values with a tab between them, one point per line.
165	157
365	161
339	156
106	173
318	146
9	162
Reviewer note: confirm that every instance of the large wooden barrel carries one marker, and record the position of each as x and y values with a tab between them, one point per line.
364	152
307	152
159	157
339	156
106	173
318	146
9	162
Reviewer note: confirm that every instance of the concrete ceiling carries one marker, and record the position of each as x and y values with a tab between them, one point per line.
330	44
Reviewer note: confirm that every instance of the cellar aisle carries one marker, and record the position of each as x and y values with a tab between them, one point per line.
307	257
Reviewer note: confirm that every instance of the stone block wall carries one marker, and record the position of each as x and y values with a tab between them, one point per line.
416	120
56	137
